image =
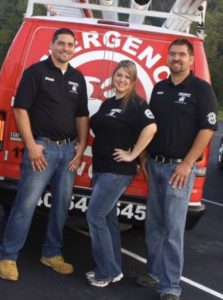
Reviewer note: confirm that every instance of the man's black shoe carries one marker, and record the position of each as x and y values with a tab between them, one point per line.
147	280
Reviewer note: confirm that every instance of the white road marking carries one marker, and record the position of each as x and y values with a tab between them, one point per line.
184	279
188	281
212	202
202	287
135	256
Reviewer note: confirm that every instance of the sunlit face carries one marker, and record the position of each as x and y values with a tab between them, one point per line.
179	59
63	48
122	82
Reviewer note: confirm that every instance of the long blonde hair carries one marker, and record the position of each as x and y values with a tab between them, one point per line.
130	67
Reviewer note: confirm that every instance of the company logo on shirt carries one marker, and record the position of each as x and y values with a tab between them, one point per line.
160	93
49	79
212	118
74	86
183	98
113	113
149	114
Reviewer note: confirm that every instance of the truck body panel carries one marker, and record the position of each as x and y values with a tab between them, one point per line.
100	46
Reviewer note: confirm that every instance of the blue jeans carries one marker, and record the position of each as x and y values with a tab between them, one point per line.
103	223
165	225
31	187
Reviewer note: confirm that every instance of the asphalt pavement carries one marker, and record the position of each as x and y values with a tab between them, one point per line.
202	274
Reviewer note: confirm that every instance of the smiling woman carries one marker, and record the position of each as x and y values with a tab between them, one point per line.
123	127
124	80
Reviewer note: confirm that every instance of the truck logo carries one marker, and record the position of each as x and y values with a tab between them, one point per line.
96	56
95	51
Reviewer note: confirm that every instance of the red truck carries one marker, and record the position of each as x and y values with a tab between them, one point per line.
101	44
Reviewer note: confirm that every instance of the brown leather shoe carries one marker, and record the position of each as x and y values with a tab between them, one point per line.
58	264
8	270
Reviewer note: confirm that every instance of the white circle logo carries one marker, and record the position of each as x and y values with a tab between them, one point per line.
212	118
149	114
90	58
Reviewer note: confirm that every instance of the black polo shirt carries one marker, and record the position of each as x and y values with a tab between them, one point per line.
116	127
181	111
53	99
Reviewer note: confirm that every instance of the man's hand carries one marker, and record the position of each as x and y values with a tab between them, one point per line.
77	160
37	158
180	176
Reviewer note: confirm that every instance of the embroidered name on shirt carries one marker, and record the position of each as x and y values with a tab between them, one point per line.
113	112
49	79
74	86
160	93
182	98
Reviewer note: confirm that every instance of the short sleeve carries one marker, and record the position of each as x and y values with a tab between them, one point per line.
142	116
82	109
207	108
27	89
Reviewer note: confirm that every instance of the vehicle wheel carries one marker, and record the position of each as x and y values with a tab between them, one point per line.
220	155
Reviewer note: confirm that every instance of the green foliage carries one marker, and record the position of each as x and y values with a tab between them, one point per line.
11	15
220	112
214	45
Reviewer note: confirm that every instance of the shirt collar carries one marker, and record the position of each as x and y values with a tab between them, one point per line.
52	66
185	82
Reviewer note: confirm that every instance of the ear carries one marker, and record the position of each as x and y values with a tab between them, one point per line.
51	45
191	60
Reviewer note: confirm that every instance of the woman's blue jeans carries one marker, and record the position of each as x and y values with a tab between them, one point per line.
165	225
31	187
103	223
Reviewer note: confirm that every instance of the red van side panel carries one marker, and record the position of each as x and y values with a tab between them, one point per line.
98	49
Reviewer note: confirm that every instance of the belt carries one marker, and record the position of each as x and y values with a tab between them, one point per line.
58	142
165	159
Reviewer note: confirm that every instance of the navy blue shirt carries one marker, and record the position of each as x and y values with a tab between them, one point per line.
181	111
53	99
116	127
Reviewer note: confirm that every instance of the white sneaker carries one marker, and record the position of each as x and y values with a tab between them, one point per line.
90	274
118	278
103	283
98	283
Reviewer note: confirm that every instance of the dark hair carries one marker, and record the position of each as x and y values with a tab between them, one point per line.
62	31
130	67
181	42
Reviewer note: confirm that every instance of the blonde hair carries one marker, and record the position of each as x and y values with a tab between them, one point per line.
130	67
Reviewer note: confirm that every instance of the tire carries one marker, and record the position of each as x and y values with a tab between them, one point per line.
220	155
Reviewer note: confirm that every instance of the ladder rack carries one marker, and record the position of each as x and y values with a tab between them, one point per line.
177	15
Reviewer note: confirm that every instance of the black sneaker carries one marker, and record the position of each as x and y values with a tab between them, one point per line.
147	280
169	297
